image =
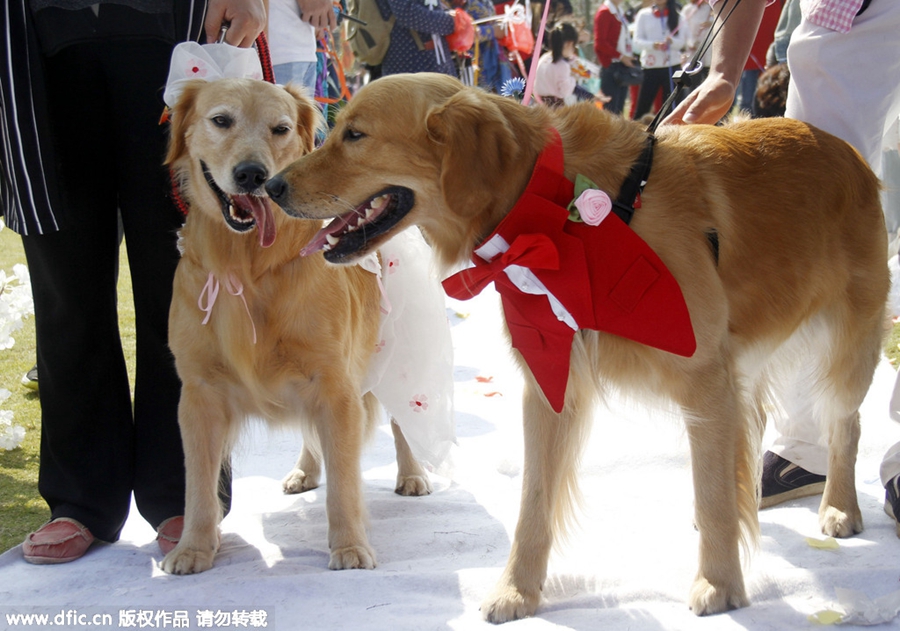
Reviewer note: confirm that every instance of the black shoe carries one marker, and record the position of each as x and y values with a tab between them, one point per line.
30	379
892	500
782	480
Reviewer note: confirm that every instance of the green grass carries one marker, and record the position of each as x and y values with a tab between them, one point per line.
21	506
892	346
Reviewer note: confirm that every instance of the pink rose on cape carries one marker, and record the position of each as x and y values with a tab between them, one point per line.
593	206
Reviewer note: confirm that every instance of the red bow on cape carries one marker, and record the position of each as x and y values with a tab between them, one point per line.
604	277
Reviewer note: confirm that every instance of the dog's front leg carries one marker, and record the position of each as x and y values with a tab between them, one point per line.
342	433
202	417
722	459
552	447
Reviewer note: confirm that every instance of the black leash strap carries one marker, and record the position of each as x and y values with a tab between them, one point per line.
629	194
634	184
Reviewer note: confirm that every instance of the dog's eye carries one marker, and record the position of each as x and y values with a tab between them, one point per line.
353	135
220	120
281	130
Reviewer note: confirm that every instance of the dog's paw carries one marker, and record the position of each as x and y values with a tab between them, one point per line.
507	604
352	558
298	481
707	598
413	485
185	560
840	524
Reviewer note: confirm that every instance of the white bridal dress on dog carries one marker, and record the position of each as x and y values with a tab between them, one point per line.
412	369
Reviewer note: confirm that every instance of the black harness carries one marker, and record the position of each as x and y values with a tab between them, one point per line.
629	198
630	194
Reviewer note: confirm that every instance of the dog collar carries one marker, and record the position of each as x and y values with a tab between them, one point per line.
556	276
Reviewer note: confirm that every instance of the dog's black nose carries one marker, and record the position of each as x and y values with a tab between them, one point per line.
249	176
276	188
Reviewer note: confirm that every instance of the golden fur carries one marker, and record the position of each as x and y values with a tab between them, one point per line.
316	325
802	251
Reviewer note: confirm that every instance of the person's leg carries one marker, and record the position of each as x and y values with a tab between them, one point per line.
613	90
489	61
86	466
667	84
890	466
799	439
136	69
890	166
829	87
298	72
746	91
890	478
653	81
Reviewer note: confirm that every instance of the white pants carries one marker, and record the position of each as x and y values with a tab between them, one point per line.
847	84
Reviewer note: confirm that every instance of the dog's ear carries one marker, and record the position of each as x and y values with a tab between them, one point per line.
310	121
478	149
179	121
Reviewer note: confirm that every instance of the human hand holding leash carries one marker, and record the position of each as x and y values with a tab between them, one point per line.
730	49
707	104
246	19
320	14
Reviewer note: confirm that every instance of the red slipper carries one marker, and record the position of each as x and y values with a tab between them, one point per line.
58	541
168	534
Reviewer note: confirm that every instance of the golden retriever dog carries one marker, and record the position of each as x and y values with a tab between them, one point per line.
772	229
285	338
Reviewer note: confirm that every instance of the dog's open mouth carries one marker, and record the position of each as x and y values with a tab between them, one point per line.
243	212
349	233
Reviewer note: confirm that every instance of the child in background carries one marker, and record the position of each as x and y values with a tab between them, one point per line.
554	83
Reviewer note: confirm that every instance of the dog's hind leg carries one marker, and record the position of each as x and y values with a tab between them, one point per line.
306	473
553	444
724	452
853	357
412	479
827	368
206	431
839	513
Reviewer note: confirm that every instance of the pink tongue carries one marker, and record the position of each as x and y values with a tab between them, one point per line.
337	225
316	244
262	213
318	241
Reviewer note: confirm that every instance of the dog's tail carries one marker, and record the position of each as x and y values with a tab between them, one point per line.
748	465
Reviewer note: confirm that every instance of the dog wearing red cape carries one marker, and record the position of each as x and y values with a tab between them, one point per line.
753	268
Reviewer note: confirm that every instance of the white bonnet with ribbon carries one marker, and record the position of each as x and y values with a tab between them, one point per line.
191	60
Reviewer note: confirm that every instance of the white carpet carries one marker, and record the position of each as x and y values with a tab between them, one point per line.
628	564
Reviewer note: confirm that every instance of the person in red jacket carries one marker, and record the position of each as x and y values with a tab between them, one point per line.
612	44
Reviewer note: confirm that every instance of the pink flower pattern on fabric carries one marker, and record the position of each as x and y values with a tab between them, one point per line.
392	264
196	68
419	403
593	206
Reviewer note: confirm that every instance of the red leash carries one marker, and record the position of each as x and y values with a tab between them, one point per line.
265	59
